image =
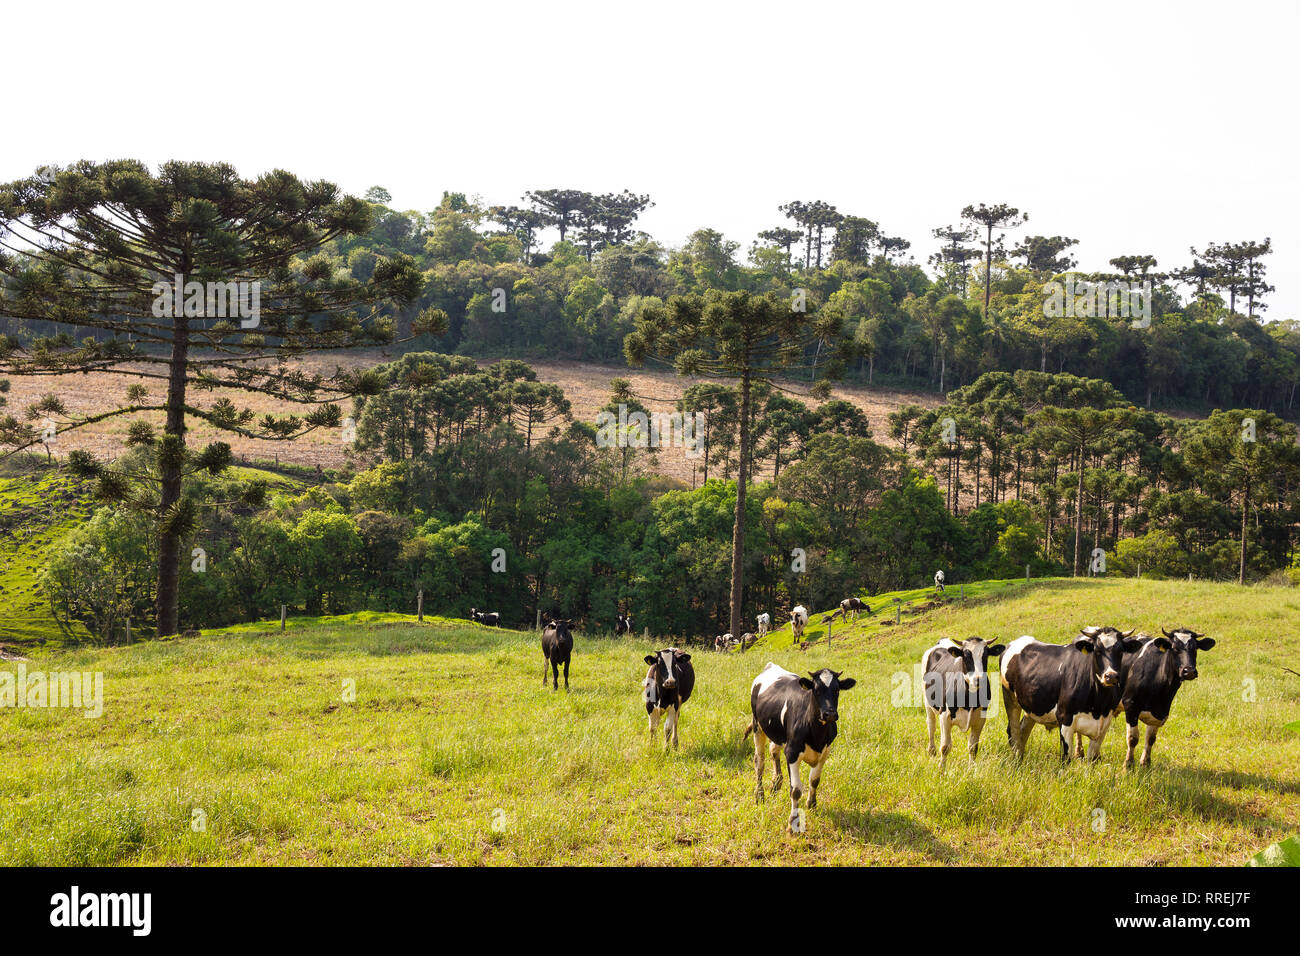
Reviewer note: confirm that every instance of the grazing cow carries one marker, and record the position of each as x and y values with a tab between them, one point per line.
748	639
798	621
796	716
623	624
938	581
854	606
667	686
1073	687
957	691
1150	679
764	623
557	646
491	620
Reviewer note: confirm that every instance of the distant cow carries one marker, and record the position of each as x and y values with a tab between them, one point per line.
491	620
557	646
748	639
1073	687
667	686
764	623
797	716
956	687
798	621
623	624
1150	679
854	606
938	581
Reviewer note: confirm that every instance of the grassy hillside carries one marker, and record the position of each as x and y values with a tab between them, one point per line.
452	752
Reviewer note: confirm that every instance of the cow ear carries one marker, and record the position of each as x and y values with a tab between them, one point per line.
996	650
1162	645
954	650
683	656
650	659
805	683
1205	643
1132	645
848	683
1084	644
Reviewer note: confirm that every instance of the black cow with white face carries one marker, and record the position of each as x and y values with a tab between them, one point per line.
1151	678
557	645
1073	687
623	624
667	686
491	620
795	717
956	688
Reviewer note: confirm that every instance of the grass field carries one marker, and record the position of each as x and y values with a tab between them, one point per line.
452	752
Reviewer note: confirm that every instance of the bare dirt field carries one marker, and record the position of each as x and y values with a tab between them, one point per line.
585	385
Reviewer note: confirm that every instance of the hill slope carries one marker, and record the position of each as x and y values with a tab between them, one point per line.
451	751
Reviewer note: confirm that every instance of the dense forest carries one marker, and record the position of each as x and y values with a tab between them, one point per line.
475	484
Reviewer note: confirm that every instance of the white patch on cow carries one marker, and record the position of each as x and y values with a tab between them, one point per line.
784	708
1091	726
1147	718
827	678
1013	649
812	757
769	675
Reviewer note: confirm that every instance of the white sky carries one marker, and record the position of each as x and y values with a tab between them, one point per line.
1135	127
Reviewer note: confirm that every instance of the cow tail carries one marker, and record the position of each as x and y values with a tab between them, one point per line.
749	729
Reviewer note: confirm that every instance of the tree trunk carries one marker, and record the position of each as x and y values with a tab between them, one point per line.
170	467
738	535
988	271
1245	510
1078	514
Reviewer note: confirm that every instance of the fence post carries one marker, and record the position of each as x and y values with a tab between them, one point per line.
1026	572
284	614
961	592
419	605
538	625
830	626
898	610
128	631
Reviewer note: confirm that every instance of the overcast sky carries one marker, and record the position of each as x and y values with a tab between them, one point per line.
1135	127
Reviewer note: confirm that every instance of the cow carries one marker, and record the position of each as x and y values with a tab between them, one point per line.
1150	679
1073	687
667	686
798	717
557	646
764	623
938	581
491	620
798	621
854	606
623	624
956	688
747	640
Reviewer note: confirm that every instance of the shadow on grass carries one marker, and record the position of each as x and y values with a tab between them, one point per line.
893	830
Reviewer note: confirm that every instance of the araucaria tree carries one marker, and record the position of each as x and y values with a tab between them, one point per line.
748	338
198	280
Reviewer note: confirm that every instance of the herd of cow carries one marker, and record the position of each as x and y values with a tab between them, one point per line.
1076	689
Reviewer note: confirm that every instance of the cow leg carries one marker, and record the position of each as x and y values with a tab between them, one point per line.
1094	748
670	727
931	716
1078	746
653	717
1151	742
1133	733
945	737
546	666
976	727
777	769
566	675
815	778
1066	730
555	675
1012	707
760	744
796	787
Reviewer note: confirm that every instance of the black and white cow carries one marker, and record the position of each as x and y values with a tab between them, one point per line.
491	620
623	624
667	686
956	689
795	718
764	623
557	646
938	581
854	606
1073	687
1150	679
798	621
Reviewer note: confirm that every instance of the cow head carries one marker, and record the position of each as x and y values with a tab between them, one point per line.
473	614
561	627
826	685
1183	642
1106	645
974	653
665	664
